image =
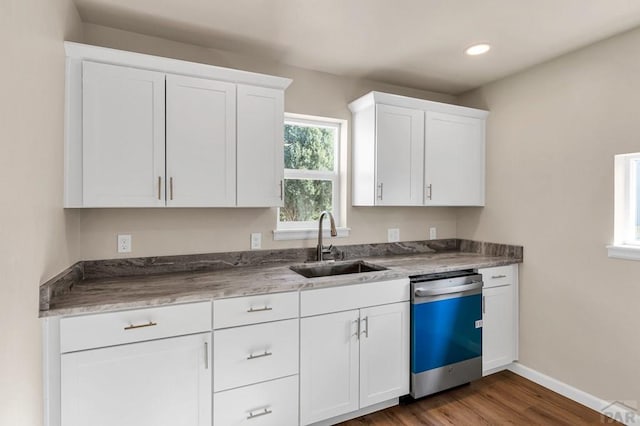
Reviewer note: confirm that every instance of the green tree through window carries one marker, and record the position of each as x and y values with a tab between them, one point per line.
310	163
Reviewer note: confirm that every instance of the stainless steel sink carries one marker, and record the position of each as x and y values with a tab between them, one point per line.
337	268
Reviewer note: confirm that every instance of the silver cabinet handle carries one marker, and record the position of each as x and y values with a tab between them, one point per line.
429	189
261	413
281	189
380	188
357	328
495	277
206	355
133	327
366	330
171	188
266	353
159	187
483	306
266	308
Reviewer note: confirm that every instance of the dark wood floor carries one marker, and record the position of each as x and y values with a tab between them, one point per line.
500	399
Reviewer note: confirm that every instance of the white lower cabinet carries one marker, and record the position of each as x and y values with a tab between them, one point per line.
353	359
272	403
154	383
384	353
255	359
252	354
329	363
500	317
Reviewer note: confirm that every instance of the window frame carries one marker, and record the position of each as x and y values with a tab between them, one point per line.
289	229
626	243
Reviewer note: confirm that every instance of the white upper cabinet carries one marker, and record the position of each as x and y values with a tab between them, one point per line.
201	142
260	146
221	130
454	160
399	151
409	152
122	136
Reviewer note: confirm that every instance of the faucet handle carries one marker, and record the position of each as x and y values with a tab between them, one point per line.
327	250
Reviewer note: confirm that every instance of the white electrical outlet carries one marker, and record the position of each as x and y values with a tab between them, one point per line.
393	235
256	240
433	233
124	243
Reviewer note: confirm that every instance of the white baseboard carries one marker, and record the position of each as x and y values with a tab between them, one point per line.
612	409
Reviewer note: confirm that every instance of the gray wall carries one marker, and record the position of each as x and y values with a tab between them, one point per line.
37	237
552	134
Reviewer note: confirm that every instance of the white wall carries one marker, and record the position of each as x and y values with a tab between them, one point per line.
182	231
551	137
37	238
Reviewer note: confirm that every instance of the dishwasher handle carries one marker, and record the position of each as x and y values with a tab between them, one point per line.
429	292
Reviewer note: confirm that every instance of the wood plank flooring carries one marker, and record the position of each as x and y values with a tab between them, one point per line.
500	399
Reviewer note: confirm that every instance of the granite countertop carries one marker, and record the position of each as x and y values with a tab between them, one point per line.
109	293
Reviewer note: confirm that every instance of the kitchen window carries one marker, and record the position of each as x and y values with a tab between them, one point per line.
312	176
627	207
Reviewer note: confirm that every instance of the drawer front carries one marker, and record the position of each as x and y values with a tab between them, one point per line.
273	403
254	353
116	328
347	297
254	309
498	276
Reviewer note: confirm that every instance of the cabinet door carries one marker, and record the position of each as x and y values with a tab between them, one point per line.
454	160
498	327
260	146
328	366
201	142
399	156
384	353
123	131
160	382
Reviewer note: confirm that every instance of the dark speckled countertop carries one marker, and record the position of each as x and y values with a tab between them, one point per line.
109	293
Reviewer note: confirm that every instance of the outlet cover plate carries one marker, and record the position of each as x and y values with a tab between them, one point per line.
256	241
393	235
124	243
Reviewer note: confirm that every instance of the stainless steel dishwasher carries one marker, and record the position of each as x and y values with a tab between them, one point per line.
446	331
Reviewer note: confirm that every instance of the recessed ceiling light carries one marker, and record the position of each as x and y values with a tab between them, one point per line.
478	49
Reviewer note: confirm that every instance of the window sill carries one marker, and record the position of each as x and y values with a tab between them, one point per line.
306	234
624	252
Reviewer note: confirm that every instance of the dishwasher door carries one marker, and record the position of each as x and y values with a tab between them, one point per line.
446	334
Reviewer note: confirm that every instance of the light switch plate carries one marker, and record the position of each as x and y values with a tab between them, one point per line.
256	240
393	235
124	243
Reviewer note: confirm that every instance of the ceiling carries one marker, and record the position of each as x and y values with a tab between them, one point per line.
414	43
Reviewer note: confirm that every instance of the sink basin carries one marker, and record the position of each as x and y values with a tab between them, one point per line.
337	268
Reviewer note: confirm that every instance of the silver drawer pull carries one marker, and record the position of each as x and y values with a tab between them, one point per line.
133	327
266	308
495	277
266	353
259	414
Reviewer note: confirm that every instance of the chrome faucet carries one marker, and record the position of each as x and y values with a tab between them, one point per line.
322	249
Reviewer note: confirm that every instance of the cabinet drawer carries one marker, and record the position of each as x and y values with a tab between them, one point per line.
254	309
254	353
498	276
115	328
273	403
347	297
